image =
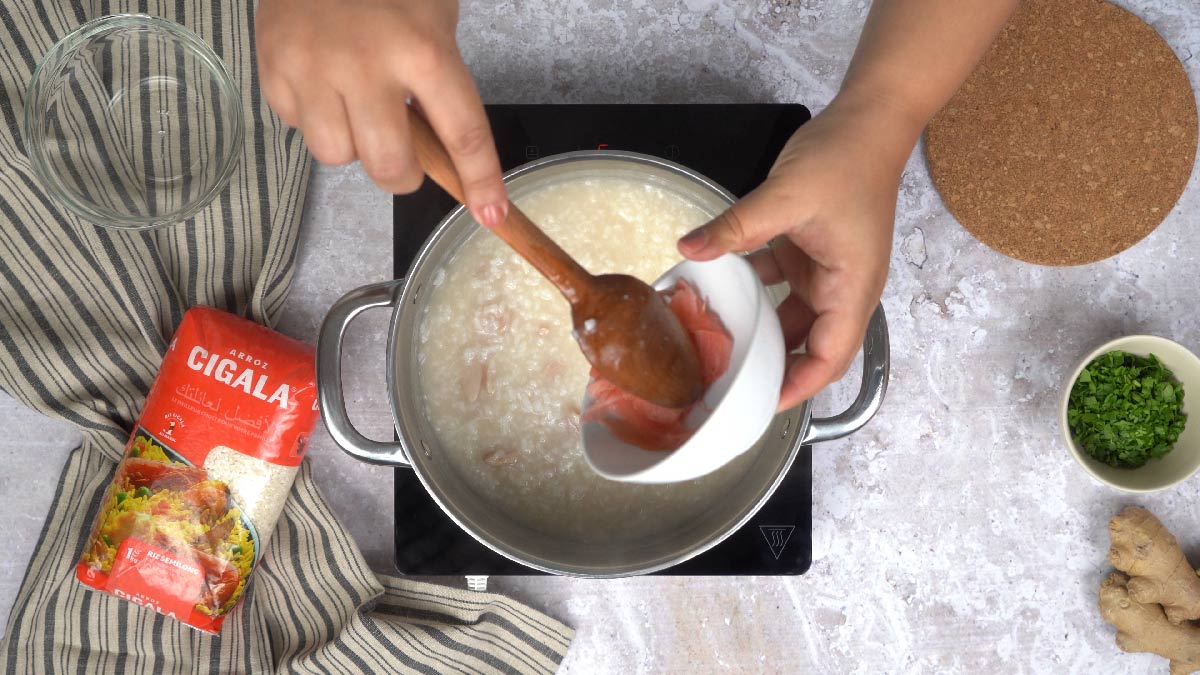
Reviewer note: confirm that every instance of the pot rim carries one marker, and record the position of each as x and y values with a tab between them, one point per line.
411	444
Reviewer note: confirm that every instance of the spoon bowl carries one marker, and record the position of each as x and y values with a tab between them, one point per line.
661	346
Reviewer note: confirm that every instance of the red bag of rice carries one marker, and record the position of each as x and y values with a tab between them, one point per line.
207	470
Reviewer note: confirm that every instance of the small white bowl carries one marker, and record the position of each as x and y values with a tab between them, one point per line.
737	408
1184	459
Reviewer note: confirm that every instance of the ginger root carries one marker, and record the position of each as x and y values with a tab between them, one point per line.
1153	607
1159	572
1145	628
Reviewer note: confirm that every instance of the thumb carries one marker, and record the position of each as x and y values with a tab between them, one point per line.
752	222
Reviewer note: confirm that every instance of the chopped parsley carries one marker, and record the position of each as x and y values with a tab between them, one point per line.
1125	410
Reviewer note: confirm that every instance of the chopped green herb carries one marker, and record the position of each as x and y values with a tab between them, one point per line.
1125	410
107	541
135	453
236	549
143	491
121	497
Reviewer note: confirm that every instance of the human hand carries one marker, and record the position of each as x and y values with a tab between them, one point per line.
341	71
827	208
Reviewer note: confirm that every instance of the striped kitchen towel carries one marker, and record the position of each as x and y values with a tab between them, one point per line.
85	316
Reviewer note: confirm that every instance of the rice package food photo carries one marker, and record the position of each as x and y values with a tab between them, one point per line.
206	471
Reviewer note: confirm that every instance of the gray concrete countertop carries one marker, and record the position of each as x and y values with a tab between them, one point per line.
955	533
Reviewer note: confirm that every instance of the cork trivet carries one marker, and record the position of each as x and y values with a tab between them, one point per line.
1072	140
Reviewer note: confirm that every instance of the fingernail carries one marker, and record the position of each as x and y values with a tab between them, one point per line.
694	241
491	216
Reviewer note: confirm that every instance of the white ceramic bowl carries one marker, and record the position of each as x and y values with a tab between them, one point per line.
738	407
1184	459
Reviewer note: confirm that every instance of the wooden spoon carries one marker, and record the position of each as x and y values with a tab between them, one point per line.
624	327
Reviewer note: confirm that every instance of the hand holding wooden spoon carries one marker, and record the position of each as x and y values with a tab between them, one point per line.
623	326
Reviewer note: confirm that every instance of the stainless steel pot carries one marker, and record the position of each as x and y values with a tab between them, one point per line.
418	446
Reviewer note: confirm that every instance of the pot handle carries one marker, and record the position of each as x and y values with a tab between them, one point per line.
877	363
329	373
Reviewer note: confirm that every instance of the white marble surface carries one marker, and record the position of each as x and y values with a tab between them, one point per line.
954	534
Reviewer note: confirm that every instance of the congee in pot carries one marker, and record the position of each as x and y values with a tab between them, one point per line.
503	379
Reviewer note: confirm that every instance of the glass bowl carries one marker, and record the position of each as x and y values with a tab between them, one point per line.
132	122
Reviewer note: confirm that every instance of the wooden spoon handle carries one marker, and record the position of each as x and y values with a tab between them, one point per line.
526	238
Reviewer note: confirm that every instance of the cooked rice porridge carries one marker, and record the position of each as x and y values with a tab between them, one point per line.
503	379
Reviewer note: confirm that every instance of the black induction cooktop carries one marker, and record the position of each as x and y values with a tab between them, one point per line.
734	145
